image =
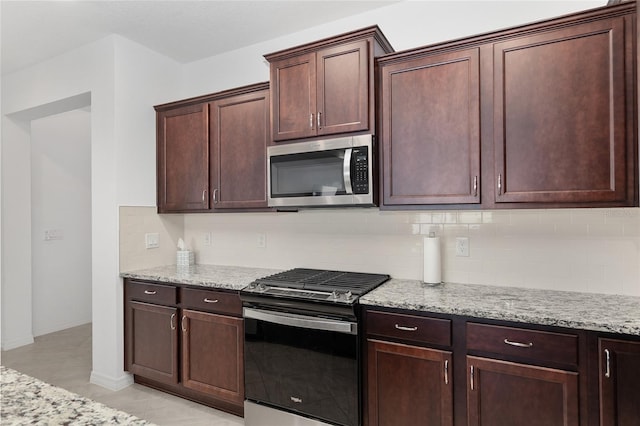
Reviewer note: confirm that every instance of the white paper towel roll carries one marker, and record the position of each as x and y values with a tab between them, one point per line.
432	273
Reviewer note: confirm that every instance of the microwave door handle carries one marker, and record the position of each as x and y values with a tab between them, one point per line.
346	170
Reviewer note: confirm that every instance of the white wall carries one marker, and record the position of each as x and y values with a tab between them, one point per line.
123	79
61	201
406	24
16	234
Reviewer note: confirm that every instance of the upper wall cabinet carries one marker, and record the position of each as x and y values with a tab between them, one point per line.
430	109
212	151
536	116
326	87
182	158
562	129
239	132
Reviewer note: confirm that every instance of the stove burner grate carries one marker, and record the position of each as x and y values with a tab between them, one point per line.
322	280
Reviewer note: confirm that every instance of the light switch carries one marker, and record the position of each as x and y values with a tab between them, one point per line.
152	240
53	234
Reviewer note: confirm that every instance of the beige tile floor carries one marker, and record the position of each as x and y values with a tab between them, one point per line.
64	359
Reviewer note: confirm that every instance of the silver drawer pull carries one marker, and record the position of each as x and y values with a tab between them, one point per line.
607	374
400	327
149	292
207	300
518	344
296	399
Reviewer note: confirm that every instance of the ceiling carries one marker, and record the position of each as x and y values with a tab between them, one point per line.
185	30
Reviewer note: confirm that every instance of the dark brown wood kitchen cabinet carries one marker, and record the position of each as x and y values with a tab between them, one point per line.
563	115
523	376
186	341
325	87
508	393
536	116
212	151
151	334
619	380
240	132
182	158
408	383
430	109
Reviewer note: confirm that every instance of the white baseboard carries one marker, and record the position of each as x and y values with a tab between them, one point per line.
16	343
111	383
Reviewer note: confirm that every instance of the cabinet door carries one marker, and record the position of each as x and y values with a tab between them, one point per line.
239	136
408	385
559	115
506	393
431	130
619	383
153	342
212	355
293	91
343	88
183	159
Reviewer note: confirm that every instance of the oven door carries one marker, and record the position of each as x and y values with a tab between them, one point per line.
302	364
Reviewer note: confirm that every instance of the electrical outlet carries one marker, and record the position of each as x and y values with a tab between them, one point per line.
262	241
462	246
207	238
152	240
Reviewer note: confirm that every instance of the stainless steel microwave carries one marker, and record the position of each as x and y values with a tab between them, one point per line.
334	172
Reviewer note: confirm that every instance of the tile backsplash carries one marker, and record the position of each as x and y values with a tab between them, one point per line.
135	222
589	250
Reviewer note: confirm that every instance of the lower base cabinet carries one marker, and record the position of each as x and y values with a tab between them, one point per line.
186	341
408	385
153	342
507	393
212	348
619	382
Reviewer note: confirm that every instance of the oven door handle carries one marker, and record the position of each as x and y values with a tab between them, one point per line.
301	321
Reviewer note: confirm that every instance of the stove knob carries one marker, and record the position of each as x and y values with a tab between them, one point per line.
252	286
262	287
348	295
335	295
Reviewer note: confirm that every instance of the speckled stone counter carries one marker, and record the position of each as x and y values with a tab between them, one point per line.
587	311
213	276
26	400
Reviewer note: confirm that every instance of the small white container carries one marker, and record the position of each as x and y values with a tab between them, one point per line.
185	258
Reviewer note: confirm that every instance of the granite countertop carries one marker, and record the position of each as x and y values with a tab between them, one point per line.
586	311
213	276
26	400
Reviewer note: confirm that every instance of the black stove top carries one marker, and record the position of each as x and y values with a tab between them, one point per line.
317	285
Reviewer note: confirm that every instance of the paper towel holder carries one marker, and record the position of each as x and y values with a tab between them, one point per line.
432	262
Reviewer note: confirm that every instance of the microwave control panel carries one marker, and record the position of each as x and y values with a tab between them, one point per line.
360	170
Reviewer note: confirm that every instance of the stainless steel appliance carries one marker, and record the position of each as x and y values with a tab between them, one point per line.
335	172
302	347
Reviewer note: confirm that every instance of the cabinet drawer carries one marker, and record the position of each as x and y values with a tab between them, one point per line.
154	293
530	344
212	301
410	327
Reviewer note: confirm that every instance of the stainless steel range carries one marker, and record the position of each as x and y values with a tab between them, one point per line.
302	347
